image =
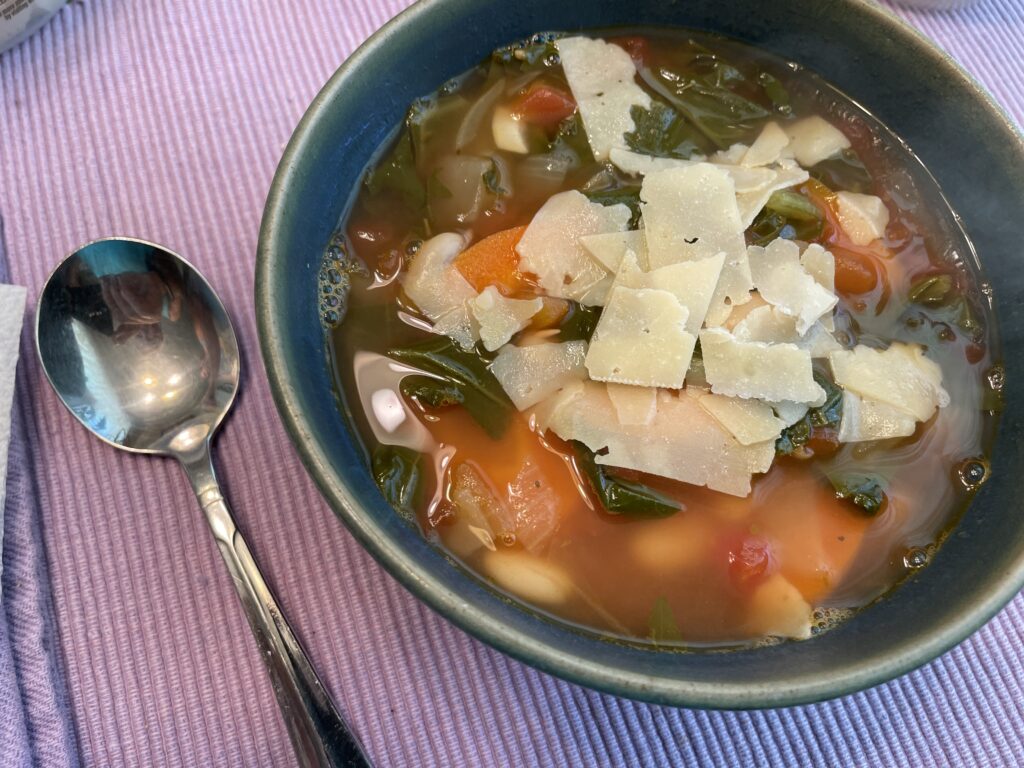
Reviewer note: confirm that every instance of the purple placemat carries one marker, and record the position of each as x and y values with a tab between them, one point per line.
121	643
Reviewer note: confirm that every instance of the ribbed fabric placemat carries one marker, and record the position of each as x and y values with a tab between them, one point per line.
165	119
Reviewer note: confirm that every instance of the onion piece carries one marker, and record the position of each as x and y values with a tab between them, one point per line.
476	114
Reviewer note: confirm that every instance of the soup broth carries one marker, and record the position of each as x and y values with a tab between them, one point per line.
833	523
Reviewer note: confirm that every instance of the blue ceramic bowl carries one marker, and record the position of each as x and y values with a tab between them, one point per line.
967	143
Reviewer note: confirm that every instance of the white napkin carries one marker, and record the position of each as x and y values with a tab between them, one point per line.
12	313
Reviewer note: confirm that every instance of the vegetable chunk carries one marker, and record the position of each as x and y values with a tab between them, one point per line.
530	374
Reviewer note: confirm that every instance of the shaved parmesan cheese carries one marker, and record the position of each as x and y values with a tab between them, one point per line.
457	325
501	318
751	201
864	217
432	282
693	283
531	374
782	281
633	405
749	421
690	214
602	77
778	609
753	369
772	326
546	412
641	339
821	265
731	156
509	132
900	376
637	164
814	139
768	146
609	248
789	413
870	420
683	442
597	295
551	249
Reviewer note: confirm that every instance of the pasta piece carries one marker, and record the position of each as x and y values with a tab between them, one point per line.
602	77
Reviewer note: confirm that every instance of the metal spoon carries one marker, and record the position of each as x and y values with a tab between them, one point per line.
139	348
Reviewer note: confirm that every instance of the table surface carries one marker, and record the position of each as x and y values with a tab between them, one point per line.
120	638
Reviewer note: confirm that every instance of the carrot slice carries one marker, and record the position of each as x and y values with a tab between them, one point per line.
494	261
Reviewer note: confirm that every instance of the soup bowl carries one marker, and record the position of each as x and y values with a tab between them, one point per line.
953	126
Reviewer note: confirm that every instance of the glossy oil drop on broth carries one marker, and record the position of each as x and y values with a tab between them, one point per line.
663	337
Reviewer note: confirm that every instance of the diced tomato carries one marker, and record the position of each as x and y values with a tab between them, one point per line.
974	353
637	47
494	261
749	562
544	106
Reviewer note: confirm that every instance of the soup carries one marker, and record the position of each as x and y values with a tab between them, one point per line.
663	337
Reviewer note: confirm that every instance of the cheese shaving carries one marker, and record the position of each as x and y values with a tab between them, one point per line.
501	318
752	369
767	147
551	248
821	265
641	339
814	139
865	420
634	406
693	283
864	217
531	374
690	214
900	376
602	77
782	281
749	421
609	248
772	326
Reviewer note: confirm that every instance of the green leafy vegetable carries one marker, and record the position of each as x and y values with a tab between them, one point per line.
865	491
397	175
829	414
932	291
481	393
770	224
621	497
573	137
776	91
431	392
608	188
661	132
492	180
793	206
536	53
844	171
579	322
399	475
662	623
704	90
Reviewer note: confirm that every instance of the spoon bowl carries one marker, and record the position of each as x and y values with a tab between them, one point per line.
139	348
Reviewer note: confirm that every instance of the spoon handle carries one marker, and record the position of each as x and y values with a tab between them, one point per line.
319	735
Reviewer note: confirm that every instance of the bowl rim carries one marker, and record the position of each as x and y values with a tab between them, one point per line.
848	678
